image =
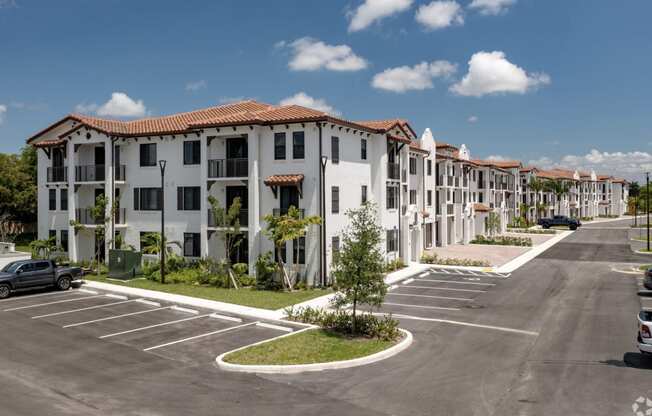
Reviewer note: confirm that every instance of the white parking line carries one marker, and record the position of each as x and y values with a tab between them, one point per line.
429	296
457	282
186	310
200	336
447	288
408	281
153	326
446	321
226	318
27	297
424	274
108	318
277	327
52	303
422	307
82	309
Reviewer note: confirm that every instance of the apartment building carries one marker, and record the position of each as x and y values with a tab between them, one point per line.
271	157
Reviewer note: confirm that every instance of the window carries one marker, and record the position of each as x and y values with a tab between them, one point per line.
392	241
363	149
413	166
335	247
41	265
413	197
279	146
428	242
191	152
191	245
429	198
480	197
299	250
429	167
64	240
335	199
188	198
63	196
335	149
363	192
53	199
392	197
147	199
148	154
52	234
298	145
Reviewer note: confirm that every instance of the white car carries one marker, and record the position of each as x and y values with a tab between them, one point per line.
645	332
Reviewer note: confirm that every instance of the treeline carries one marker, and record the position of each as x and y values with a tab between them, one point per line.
18	186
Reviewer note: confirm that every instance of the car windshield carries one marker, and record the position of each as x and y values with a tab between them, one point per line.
12	267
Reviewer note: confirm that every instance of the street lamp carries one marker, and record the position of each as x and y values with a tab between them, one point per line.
647	206
162	164
324	160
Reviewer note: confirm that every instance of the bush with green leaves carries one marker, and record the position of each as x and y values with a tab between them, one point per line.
394	265
434	259
503	240
266	272
530	231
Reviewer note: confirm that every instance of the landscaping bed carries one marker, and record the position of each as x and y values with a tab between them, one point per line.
265	299
434	259
530	231
503	241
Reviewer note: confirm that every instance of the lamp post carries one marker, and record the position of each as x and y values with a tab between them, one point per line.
324	160
647	207
162	164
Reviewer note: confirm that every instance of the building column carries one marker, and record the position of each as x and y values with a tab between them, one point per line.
108	194
204	206
443	226
73	253
253	145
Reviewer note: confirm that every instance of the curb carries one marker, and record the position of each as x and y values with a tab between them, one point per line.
647	253
301	368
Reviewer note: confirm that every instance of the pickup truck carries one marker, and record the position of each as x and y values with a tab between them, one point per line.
560	220
29	274
645	332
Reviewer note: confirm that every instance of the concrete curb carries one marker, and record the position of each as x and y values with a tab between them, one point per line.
301	368
647	253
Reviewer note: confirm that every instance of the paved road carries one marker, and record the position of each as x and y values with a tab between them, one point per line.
556	337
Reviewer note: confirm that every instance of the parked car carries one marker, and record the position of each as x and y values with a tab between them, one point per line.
647	280
645	332
560	220
29	274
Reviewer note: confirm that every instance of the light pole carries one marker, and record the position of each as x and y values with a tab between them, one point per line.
647	206
162	164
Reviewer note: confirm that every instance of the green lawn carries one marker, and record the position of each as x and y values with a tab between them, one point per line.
645	267
24	249
265	299
308	347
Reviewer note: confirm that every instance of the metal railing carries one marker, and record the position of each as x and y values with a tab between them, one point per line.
85	216
450	209
393	171
244	218
90	173
277	212
57	174
228	168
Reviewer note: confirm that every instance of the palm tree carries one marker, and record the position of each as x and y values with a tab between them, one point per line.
559	188
151	244
536	185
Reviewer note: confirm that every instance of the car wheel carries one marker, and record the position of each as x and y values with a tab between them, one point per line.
5	291
64	283
573	228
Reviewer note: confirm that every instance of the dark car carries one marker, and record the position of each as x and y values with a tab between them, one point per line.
29	274
560	221
647	280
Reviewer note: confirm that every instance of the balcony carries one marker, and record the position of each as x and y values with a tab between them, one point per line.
90	173
277	212
440	180
450	209
57	174
228	168
393	171
450	181
85	216
482	185
119	173
244	218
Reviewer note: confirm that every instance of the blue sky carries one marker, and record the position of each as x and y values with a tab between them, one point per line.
572	80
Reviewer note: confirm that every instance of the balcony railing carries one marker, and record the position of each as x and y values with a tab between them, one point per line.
228	168
277	212
450	181
85	216
57	174
244	218
393	171
450	209
90	173
440	180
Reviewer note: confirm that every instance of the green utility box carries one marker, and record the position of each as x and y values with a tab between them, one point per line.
124	264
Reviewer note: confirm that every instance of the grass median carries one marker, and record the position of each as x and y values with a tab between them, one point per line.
308	347
265	299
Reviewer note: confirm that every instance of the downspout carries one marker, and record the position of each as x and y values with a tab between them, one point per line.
322	226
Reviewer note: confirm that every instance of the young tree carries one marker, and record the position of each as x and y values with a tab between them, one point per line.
43	248
536	185
284	228
493	223
559	189
101	218
358	268
228	223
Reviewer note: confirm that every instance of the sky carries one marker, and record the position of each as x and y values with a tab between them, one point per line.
548	82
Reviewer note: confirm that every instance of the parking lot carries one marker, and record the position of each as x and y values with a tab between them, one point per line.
167	330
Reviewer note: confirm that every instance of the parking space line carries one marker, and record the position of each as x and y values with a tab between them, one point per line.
446	321
277	327
408	281
447	288
431	297
92	292
167	344
186	310
445	271
26	297
52	303
153	326
148	302
108	318
455	282
422	307
226	318
424	274
82	309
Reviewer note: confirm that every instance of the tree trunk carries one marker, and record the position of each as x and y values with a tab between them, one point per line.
354	328
285	277
233	280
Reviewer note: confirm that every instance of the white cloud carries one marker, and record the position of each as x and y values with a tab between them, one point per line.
312	54
120	105
491	7
418	77
440	14
492	73
498	158
304	100
374	10
629	165
8	3
3	111
473	119
196	85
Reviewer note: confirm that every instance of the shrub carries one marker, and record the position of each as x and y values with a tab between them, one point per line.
434	259
503	241
266	269
340	321
530	231
394	265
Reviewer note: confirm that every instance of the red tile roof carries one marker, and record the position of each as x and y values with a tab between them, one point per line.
442	145
398	139
481	207
386	125
416	147
49	143
283	180
507	164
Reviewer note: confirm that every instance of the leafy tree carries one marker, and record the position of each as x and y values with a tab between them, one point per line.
151	244
536	185
228	224
358	268
559	189
493	223
41	249
284	228
101	217
18	185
